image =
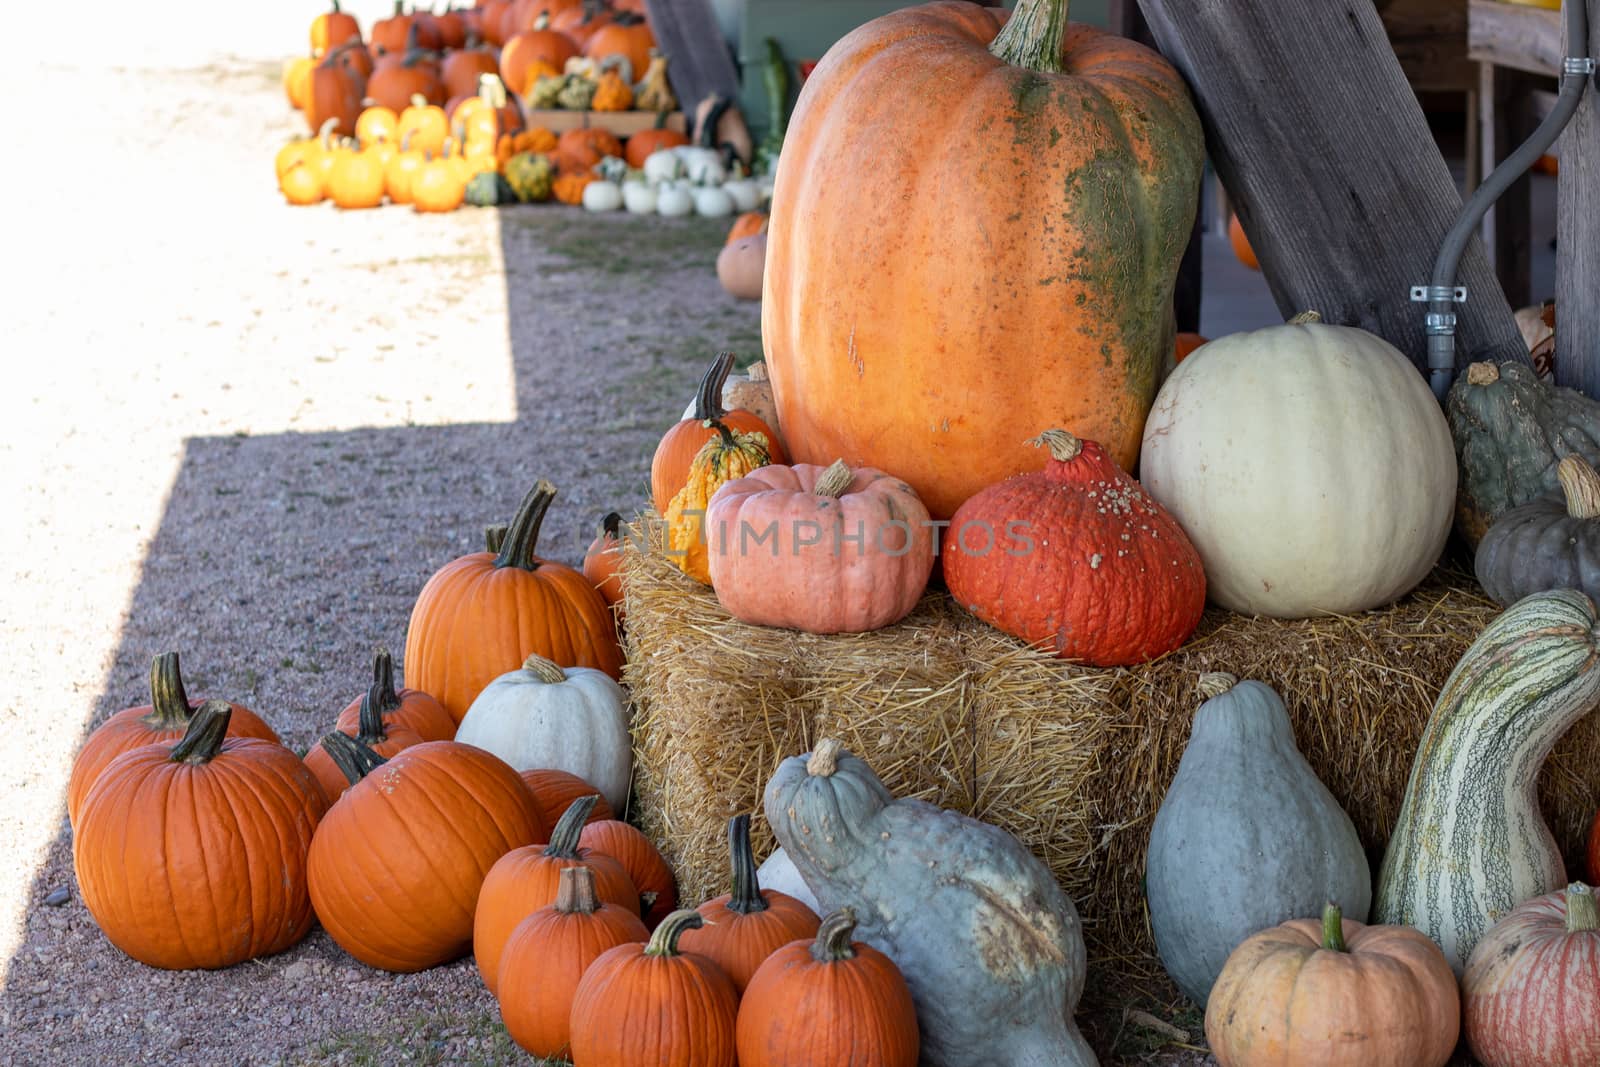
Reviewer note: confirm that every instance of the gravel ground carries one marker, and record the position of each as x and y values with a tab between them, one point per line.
250	433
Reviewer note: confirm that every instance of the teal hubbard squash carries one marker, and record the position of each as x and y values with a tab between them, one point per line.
1470	843
989	945
977	229
1076	558
1532	986
1247	837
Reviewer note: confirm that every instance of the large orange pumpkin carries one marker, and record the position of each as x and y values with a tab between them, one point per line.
528	878
162	721
1334	993
485	613
194	854
395	85
1014	267
334	92
583	22
626	35
546	955
652	1004
828	1003
537	45
744	927
396	866
462	68
331	29
669	467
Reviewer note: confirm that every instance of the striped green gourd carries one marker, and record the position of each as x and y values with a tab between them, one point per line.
1470	843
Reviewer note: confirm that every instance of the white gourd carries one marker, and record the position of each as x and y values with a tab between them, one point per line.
546	717
662	165
602	196
746	197
674	199
702	166
639	198
713	202
1310	465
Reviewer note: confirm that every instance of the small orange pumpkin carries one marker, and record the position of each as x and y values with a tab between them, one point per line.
654	1004
301	183
439	186
627	36
582	22
1241	244
579	150
747	225
356	180
627	844
568	187
642	144
401	171
612	93
400	83
405	709
333	93
602	563
546	955
377	123
669	467
297	80
1185	344
744	927
540	45
557	790
526	879
425	124
333	28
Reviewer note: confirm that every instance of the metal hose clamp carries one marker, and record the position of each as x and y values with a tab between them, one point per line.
1581	66
1444	294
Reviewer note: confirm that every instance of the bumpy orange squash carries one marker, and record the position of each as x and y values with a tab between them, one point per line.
1014	266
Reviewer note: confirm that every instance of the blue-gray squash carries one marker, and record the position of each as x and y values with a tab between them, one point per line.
1246	838
988	943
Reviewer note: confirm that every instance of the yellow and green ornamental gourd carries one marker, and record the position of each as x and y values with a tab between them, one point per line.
531	176
730	455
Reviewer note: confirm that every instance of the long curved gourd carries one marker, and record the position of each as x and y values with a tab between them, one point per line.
1470	844
988	943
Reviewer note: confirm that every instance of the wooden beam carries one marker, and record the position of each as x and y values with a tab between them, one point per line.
1505	120
1578	239
1330	164
1514	35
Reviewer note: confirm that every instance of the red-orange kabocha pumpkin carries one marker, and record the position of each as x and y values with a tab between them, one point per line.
828	1003
558	790
1014	266
527	879
647	870
194	854
397	864
331	29
669	468
1532	985
746	926
482	615
822	549
602	562
653	1004
1078	558
164	720
545	958
404	709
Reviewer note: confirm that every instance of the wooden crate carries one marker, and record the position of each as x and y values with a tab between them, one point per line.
621	123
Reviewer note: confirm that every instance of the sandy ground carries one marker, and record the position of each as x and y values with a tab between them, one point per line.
249	433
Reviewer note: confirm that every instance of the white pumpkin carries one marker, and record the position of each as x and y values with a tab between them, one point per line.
662	165
746	196
639	198
673	199
602	196
777	872
545	717
713	202
701	165
1310	465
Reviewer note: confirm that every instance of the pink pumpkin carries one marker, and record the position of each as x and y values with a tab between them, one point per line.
1532	985
824	549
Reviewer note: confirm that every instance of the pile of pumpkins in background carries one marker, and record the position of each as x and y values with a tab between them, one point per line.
424	114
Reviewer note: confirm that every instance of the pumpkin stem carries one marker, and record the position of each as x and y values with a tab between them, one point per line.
575	893
833	937
546	670
664	942
382	690
1583	915
1031	38
708	398
522	536
1214	684
824	759
835	480
1484	373
1062	445
325	133
564	838
370	729
207	730
494	537
1580	485
169	704
757	371
746	897
1306	318
354	760
611	526
1333	928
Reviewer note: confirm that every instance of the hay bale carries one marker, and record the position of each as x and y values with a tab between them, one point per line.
1072	760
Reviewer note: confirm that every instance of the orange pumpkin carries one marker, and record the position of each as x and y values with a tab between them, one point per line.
376	124
628	36
556	791
400	33
612	93
194	854
1241	244
490	19
485	613
582	22
331	29
356	180
439	186
398	84
602	563
371	731
403	709
162	721
527	879
301	183
396	867
424	124
669	468
1187	343
297	80
546	955
747	225
744	927
537	139
1398	1004
462	69
569	186
652	1004
451	26
520	52
401	171
333	94
642	144
625	843
579	150
913	316
358	61
828	1003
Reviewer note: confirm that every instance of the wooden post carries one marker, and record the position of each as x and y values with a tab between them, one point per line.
1330	165
1578	239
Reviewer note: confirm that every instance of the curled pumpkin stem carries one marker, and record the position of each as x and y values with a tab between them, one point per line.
835	480
824	759
1063	446
207	730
